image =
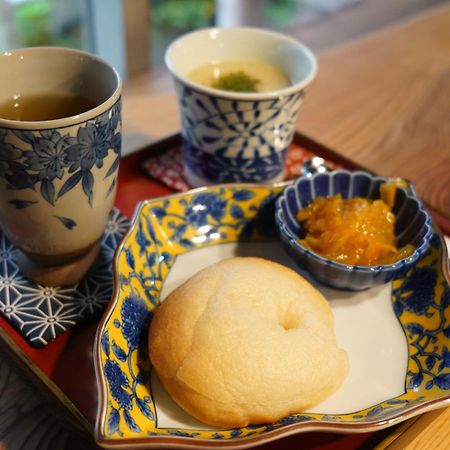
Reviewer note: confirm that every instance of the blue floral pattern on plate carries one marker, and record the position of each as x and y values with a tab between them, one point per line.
42	313
167	227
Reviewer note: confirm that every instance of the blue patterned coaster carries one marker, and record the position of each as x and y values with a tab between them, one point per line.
42	313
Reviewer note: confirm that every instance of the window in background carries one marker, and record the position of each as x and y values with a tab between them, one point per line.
96	26
27	23
134	34
172	18
320	24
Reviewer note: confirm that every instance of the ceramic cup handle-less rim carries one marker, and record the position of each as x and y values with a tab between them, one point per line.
58	176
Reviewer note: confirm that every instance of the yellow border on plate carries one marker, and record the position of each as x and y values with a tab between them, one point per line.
167	227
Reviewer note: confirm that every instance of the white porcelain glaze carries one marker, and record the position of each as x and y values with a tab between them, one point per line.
237	136
58	177
365	325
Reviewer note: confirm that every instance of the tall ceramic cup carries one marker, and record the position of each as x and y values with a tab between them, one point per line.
236	136
58	177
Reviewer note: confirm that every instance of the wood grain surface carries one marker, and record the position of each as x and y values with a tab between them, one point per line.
382	101
426	432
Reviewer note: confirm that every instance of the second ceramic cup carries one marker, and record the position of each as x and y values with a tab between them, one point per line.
237	136
58	172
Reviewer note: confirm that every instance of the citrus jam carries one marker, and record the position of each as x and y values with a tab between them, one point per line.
357	231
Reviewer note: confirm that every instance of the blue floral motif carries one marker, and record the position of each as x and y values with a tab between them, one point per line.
250	215
8	154
118	382
142	240
210	213
182	433
113	422
445	363
159	212
105	343
236	433
110	120
47	155
135	315
430	362
131	423
89	148
414	328
217	436
442	381
415	380
387	409
417	295
119	353
145	410
242	195
204	205
419	290
289	420
134	327
130	258
236	212
67	222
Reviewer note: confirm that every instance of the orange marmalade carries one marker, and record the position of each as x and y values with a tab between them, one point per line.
357	231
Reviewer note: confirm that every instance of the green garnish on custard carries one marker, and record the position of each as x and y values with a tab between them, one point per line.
236	82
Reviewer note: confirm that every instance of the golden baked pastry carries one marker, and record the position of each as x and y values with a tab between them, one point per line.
246	341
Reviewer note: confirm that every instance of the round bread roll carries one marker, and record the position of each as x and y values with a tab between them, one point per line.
246	341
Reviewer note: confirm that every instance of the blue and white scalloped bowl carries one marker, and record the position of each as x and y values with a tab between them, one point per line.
412	226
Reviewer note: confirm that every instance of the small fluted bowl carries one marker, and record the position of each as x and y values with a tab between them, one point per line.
412	226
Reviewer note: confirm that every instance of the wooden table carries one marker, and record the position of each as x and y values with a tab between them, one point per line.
381	101
384	102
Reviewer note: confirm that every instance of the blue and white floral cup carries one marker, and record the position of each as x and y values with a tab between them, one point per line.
234	136
58	177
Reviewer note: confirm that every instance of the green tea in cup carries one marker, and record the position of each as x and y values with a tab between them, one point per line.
45	106
60	140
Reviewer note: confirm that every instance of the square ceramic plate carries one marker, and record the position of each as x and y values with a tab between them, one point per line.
397	335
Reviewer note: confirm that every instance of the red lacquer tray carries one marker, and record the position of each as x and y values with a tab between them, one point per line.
64	369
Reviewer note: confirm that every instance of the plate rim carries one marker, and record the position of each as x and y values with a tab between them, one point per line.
168	441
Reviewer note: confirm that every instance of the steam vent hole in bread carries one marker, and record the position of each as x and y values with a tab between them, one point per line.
246	341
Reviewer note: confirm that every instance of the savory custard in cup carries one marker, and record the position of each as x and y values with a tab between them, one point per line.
239	93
